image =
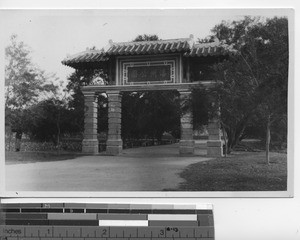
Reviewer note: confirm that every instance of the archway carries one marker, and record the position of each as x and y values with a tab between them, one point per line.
173	64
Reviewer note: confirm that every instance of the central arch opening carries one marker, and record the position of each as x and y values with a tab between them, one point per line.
150	118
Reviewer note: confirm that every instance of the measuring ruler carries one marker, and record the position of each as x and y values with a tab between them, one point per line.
65	221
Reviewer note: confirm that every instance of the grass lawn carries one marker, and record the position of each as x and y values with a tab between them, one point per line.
32	157
240	171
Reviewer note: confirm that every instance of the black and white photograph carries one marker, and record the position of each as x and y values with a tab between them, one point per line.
160	102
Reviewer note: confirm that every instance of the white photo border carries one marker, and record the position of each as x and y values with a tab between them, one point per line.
269	194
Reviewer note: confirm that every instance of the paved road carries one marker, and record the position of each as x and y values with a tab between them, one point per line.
140	169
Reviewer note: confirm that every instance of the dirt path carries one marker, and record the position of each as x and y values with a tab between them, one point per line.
140	169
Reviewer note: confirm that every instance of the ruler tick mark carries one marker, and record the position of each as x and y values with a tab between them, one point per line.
150	231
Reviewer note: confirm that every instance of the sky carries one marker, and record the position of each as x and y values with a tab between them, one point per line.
52	34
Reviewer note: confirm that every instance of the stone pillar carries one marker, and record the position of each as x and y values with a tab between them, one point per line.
187	143
114	144
90	141
214	143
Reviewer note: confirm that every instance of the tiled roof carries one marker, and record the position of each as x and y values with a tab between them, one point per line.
209	49
85	56
181	45
149	47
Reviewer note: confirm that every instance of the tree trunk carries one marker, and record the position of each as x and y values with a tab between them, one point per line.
268	139
225	140
58	132
9	138
18	141
234	137
228	141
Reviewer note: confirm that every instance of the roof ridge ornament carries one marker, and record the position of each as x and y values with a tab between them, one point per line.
108	46
191	41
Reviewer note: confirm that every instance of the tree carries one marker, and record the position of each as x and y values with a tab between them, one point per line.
255	79
237	100
273	55
25	85
48	120
146	37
